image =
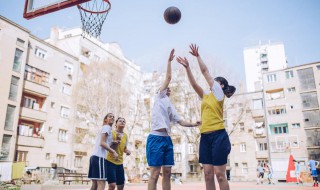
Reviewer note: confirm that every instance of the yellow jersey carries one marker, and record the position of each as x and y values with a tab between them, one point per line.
211	113
119	148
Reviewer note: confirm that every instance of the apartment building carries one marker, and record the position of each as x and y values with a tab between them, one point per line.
125	88
293	117
13	54
262	58
245	122
39	104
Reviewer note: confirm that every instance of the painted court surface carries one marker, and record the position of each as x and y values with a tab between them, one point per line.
186	186
233	186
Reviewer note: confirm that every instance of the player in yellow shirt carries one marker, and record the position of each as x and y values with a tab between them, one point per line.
214	143
115	174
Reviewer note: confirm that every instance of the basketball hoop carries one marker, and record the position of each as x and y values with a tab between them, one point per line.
93	14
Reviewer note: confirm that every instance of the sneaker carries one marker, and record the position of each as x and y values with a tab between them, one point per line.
314	185
317	185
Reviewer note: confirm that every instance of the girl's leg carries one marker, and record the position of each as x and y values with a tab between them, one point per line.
94	185
209	172
220	172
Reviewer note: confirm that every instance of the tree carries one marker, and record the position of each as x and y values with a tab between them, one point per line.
97	93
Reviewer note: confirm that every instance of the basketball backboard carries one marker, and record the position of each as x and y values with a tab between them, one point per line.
35	8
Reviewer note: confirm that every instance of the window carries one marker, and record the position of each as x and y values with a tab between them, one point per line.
53	104
291	89
191	149
21	156
309	100
29	130
36	75
78	161
47	156
279	129
50	129
271	78
244	168
243	147
257	104
295	125
54	81
263	146
289	74
20	42
13	88
5	148
306	79
29	102
17	60
318	67
60	160
68	67
177	157
236	164
291	106
64	112
277	111
193	168
9	118
66	88
241	127
62	136
40	53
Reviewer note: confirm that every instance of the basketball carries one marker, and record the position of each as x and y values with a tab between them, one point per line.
172	15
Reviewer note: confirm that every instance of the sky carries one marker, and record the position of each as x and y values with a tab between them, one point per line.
222	29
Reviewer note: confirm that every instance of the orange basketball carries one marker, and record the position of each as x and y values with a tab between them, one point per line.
172	15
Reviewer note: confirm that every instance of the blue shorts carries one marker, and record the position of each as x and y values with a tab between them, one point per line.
159	151
314	173
97	168
115	173
214	148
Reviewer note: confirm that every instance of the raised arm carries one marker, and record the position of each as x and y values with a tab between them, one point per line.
184	62
204	70
167	80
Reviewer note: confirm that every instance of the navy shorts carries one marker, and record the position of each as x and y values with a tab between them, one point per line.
115	173
159	151
97	168
214	148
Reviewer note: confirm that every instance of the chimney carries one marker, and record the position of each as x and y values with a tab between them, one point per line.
54	35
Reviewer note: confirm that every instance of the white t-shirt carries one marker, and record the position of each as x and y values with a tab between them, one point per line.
217	91
98	149
163	112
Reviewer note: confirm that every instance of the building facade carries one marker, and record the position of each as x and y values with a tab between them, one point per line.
262	58
13	57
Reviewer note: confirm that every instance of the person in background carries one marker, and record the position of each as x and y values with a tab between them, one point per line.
313	168
116	175
98	163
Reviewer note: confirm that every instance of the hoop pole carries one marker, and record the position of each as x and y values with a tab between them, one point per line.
50	9
95	12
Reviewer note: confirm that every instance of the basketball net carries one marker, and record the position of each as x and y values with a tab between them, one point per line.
93	14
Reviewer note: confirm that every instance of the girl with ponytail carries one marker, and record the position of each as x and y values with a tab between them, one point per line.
214	143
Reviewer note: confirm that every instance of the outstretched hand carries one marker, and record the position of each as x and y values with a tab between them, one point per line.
194	50
183	61
171	55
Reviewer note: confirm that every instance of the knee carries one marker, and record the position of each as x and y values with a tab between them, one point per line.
209	175
221	177
167	173
112	186
154	175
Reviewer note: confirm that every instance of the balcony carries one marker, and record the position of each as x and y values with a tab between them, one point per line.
262	154
33	115
192	157
257	113
35	88
28	141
